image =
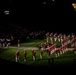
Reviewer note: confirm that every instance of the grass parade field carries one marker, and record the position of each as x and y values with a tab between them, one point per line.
9	54
66	58
45	65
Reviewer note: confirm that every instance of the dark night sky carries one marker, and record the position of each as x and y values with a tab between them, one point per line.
30	13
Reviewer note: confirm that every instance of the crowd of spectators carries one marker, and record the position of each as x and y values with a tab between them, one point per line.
14	33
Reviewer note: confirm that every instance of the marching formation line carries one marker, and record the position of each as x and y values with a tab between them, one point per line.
30	48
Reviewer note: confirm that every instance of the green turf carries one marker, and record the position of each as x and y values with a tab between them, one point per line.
38	42
32	43
66	58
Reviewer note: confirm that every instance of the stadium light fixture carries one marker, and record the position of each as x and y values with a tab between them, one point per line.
52	0
44	2
74	6
6	12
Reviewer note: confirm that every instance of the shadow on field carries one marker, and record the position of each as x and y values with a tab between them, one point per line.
9	67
